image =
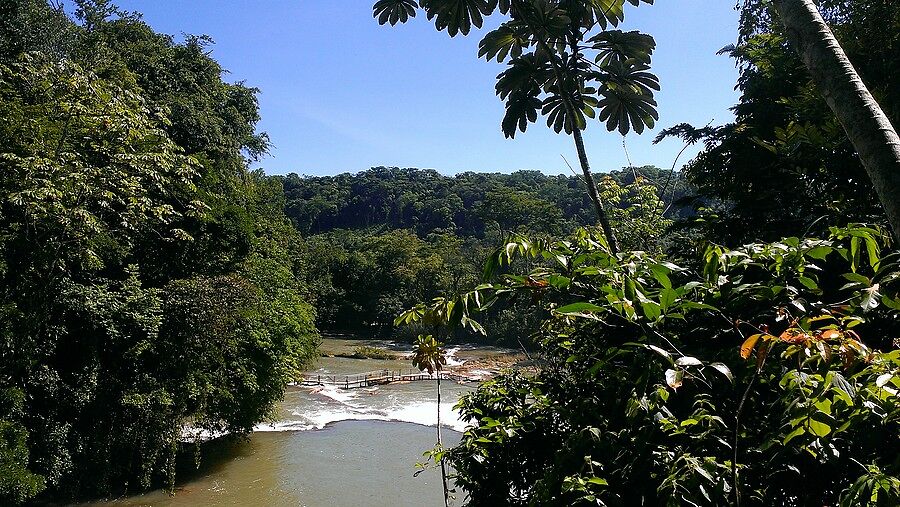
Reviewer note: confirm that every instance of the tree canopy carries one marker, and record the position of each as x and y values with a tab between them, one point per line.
149	278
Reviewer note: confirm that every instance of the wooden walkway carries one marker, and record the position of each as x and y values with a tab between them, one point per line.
377	378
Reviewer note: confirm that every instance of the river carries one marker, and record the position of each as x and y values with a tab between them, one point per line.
330	446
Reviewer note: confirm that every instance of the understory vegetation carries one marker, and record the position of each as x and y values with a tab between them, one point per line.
766	374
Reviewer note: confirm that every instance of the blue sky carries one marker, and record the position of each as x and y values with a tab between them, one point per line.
341	93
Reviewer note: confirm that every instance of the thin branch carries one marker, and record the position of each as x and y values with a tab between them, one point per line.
628	158
672	173
571	169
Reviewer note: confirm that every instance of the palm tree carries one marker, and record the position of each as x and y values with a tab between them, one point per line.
429	356
562	63
866	125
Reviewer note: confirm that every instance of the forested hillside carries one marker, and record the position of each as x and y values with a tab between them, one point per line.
148	279
468	204
387	238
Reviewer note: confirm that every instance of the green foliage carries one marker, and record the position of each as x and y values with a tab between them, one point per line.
467	204
150	281
17	483
362	280
369	352
381	240
636	213
648	395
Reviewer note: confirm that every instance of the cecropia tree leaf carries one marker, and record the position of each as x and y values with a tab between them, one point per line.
521	109
522	75
503	42
626	110
588	13
394	11
457	16
616	47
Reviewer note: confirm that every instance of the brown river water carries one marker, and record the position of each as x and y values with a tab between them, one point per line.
330	446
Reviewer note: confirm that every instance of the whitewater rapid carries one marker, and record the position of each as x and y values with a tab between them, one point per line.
314	408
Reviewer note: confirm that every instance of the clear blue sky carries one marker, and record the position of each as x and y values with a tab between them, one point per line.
341	93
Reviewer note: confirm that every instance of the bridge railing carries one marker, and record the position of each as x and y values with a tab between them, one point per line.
378	377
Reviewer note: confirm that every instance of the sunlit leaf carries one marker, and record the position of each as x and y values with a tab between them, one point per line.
578	308
688	361
502	42
457	16
674	378
616	46
749	343
724	370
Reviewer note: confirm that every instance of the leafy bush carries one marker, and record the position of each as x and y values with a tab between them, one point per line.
752	376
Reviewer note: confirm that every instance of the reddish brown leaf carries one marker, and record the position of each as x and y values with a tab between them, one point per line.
830	334
793	335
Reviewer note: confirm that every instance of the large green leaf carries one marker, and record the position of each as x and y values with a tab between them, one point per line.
628	102
630	74
558	115
503	42
588	13
546	20
578	308
523	75
625	110
521	109
394	11
616	47
457	16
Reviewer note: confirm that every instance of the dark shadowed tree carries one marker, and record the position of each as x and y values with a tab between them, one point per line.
867	126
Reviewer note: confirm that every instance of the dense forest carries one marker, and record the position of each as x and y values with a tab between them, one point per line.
728	334
387	238
147	277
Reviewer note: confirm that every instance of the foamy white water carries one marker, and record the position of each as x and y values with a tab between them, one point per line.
315	408
452	359
312	408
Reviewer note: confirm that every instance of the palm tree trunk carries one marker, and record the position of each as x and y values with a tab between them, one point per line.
866	125
592	191
441	444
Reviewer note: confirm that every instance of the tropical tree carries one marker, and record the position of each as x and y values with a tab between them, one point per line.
869	129
429	356
563	62
636	213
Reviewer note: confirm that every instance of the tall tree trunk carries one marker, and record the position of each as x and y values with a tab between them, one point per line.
582	153
441	443
592	191
866	125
